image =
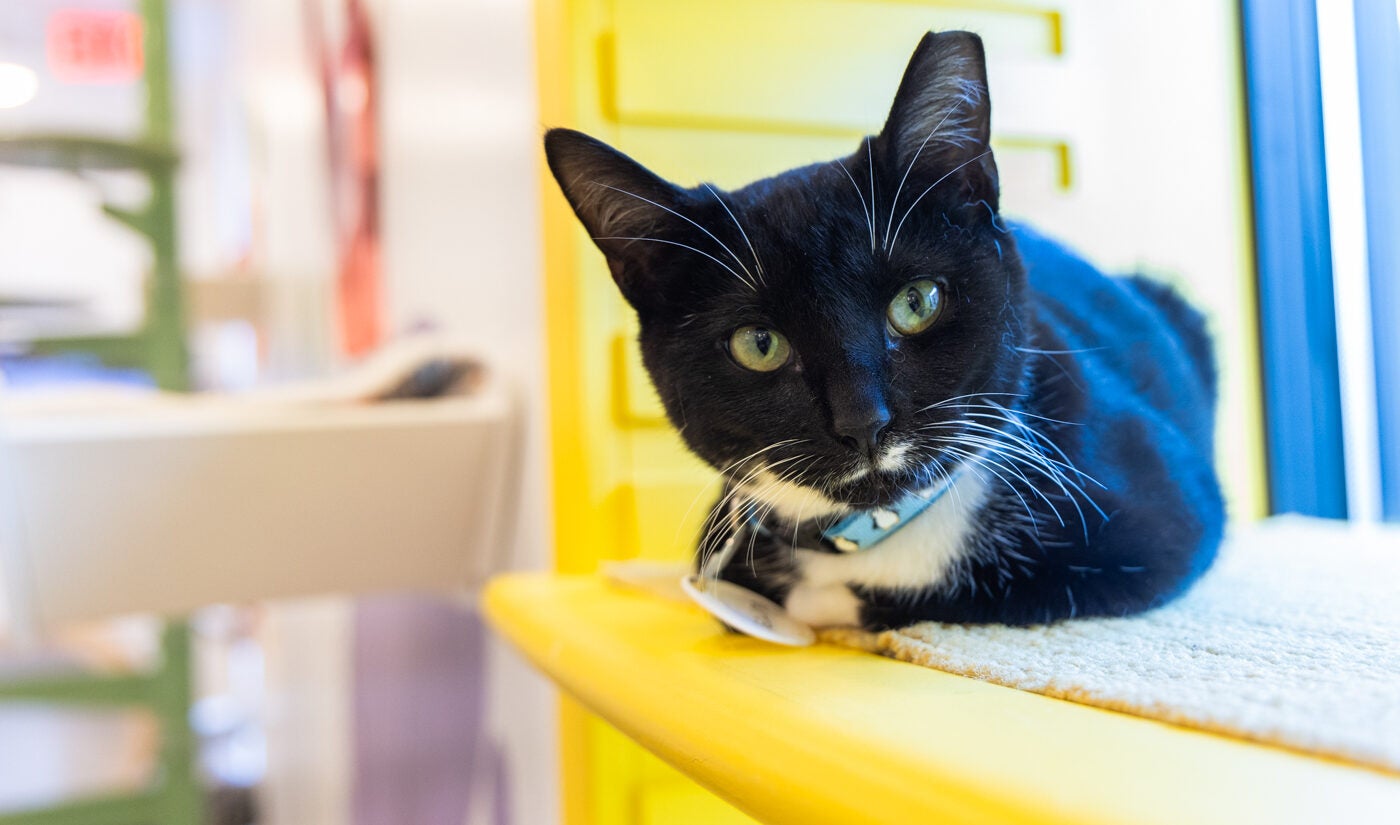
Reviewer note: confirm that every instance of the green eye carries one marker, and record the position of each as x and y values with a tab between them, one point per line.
917	305
759	349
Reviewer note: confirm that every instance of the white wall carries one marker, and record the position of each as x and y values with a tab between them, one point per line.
459	136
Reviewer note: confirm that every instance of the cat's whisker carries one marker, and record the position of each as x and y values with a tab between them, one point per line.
714	535
1039	446
1034	351
724	474
758	265
1033	441
995	407
890	247
1017	450
756	453
1031	461
874	211
722	245
1012	447
710	543
1020	450
797	523
766	507
949	401
1031	448
695	499
990	449
869	218
793	476
1051	443
980	462
944	477
910	168
726	266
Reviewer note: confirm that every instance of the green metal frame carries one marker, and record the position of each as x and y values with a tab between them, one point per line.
175	797
158	347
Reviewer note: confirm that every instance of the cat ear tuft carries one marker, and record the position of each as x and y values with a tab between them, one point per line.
613	195
940	123
617	199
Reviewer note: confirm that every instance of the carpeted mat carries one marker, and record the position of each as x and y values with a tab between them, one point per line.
1292	638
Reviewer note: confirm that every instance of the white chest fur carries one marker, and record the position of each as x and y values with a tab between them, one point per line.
917	555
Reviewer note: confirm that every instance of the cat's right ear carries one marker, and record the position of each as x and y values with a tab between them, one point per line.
939	127
619	201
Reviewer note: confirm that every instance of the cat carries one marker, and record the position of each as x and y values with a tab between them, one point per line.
1021	438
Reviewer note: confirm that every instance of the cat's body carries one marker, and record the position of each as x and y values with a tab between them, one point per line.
846	337
1133	539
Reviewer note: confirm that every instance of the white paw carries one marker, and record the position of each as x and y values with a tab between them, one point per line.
818	569
830	605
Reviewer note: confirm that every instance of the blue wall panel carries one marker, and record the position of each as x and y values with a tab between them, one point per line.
1302	387
1378	68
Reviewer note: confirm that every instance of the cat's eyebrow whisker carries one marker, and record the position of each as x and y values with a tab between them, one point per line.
870	164
931	187
684	246
869	218
910	168
722	245
758	265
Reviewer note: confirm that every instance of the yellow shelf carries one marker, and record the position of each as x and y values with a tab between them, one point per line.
826	734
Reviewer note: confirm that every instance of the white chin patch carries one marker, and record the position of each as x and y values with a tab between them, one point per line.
895	458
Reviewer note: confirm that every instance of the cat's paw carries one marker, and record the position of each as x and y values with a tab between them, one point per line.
820	599
830	605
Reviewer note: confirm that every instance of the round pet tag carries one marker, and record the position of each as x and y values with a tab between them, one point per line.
747	612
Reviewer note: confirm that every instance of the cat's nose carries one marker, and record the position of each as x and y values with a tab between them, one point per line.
861	433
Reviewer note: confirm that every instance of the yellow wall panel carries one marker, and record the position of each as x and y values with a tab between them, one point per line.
751	64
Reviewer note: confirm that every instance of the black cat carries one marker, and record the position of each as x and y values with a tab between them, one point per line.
921	412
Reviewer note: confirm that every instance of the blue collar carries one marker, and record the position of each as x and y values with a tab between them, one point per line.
864	529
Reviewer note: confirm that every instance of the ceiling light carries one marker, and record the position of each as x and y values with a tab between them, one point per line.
17	85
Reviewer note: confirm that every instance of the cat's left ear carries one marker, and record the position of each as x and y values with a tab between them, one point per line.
939	127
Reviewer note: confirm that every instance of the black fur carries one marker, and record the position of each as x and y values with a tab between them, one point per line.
1111	379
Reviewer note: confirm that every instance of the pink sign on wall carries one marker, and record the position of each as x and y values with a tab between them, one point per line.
94	45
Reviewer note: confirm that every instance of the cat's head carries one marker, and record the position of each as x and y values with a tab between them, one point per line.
811	333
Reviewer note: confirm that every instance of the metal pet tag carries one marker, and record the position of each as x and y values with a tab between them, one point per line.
747	612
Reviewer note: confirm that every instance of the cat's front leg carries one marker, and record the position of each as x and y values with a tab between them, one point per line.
820	597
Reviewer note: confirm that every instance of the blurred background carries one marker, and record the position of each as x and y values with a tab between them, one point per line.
297	346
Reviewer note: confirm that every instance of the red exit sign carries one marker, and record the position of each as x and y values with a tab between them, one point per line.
94	45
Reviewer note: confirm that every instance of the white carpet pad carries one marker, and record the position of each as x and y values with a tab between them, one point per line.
1293	639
